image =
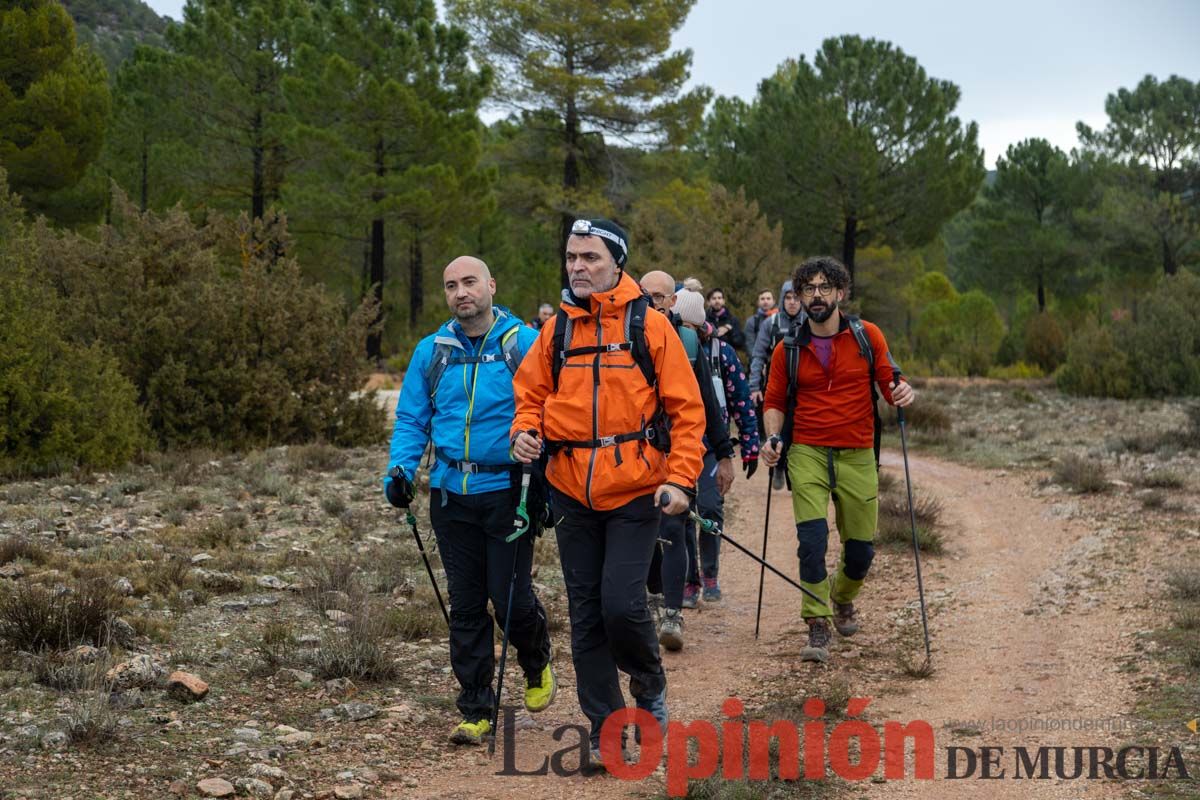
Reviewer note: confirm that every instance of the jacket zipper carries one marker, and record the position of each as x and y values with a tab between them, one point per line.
595	401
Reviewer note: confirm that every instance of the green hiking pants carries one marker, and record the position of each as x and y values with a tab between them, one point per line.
848	476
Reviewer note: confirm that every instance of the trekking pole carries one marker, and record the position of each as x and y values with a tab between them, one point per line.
710	527
762	569
520	525
412	521
912	518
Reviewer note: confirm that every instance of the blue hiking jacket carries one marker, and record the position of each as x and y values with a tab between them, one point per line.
474	408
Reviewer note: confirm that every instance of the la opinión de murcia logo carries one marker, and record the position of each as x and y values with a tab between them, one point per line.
853	750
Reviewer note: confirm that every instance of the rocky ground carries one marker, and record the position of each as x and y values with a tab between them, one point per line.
282	581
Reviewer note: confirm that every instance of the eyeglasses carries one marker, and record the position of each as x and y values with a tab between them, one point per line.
659	298
809	289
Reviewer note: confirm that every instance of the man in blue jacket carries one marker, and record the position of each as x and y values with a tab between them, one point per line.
458	394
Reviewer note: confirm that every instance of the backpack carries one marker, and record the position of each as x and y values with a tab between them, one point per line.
445	355
792	355
718	371
657	430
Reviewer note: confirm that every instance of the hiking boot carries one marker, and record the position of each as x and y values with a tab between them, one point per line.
540	691
670	630
657	706
469	732
595	762
712	591
819	638
845	618
655	603
691	595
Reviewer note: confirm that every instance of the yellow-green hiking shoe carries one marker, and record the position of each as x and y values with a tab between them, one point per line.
539	692
469	732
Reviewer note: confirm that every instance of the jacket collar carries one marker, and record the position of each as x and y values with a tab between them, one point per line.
451	332
626	291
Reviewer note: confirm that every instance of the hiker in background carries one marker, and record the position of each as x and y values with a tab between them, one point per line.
765	307
692	285
733	393
607	390
545	312
726	325
820	407
666	580
458	394
771	333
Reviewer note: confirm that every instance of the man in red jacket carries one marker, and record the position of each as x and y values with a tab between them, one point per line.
831	448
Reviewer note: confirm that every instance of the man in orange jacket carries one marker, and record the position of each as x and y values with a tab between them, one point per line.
607	389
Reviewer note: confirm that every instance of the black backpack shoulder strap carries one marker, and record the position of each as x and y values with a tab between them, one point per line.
866	351
562	337
635	334
864	343
791	353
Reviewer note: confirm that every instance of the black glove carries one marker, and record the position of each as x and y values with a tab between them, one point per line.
399	489
750	465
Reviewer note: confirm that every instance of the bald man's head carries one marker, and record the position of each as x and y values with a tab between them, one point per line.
469	291
661	288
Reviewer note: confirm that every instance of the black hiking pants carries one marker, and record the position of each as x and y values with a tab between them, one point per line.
605	560
470	531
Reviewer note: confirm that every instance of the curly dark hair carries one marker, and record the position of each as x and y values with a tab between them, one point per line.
833	270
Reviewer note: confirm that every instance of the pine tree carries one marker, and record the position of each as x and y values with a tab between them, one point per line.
54	101
386	102
231	56
591	69
858	147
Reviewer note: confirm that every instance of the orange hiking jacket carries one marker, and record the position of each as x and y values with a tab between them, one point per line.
833	408
607	395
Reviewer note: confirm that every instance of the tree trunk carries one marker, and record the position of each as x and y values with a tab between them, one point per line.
849	243
375	339
1170	265
145	182
1041	293
570	170
416	280
257	190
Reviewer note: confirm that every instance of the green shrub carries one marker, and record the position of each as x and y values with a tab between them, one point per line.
1045	342
64	404
227	344
965	331
1019	371
1165	340
1094	366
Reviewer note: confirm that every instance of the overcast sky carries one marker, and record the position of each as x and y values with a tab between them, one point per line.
1026	67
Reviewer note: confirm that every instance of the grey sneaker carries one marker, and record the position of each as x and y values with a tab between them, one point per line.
845	618
712	590
819	637
691	595
670	630
655	603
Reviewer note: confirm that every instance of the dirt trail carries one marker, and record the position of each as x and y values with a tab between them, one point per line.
999	652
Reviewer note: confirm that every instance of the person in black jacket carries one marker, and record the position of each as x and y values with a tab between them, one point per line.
668	570
726	326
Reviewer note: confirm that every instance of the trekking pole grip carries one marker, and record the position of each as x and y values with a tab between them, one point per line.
895	383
